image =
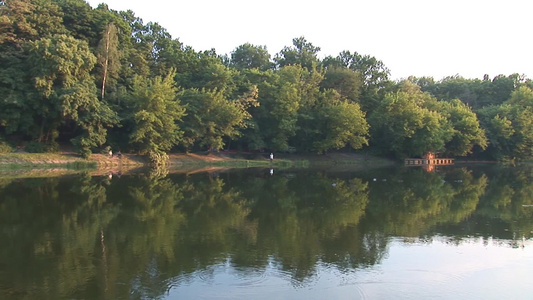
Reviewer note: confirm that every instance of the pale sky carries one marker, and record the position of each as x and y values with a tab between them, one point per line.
412	37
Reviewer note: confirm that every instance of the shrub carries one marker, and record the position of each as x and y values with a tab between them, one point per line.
38	147
158	158
5	147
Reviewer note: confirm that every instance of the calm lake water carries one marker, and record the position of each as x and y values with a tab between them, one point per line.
396	233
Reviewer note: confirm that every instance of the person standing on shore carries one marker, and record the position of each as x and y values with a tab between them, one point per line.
271	157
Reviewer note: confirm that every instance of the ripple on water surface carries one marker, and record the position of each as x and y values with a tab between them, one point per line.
473	270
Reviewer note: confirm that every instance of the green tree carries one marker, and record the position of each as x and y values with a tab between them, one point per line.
156	114
281	105
474	92
373	72
499	131
212	117
254	136
134	57
16	109
28	20
151	41
401	125
501	88
65	91
202	70
21	22
467	131
521	114
79	20
288	98
457	87
510	127
91	116
108	55
302	53
339	123
248	56
348	83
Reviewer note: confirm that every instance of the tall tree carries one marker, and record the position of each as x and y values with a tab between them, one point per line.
27	20
374	73
467	131
254	137
402	126
91	116
281	99
108	55
339	123
21	22
59	62
79	20
212	117
151	41
248	56
202	70
346	82
302	53
65	90
510	126
156	114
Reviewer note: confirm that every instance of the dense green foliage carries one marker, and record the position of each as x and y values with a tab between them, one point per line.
98	77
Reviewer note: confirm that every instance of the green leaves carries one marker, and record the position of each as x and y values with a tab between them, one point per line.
402	124
70	72
342	123
59	62
467	131
212	117
411	122
156	114
66	91
346	82
108	55
302	53
510	126
248	56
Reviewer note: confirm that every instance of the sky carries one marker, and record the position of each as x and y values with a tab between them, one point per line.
434	38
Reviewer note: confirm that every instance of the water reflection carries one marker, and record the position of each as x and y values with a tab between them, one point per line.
141	236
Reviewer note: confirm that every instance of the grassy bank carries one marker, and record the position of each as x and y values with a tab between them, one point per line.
101	163
17	161
20	165
231	160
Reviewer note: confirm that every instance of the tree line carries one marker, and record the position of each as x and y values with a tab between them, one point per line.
71	74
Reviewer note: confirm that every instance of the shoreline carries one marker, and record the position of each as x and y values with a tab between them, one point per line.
66	163
69	162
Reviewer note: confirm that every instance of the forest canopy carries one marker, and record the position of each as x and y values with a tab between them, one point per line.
90	77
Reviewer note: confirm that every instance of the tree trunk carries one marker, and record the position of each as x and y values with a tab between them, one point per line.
106	59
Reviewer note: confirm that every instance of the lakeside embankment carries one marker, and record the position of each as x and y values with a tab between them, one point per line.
65	163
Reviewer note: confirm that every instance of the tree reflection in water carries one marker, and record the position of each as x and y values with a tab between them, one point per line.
137	236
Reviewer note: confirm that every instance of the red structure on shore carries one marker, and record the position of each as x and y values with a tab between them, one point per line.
429	161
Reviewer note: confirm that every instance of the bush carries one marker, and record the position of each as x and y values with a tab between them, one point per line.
82	147
105	150
158	158
5	147
37	147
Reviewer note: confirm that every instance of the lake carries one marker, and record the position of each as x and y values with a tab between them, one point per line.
460	232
